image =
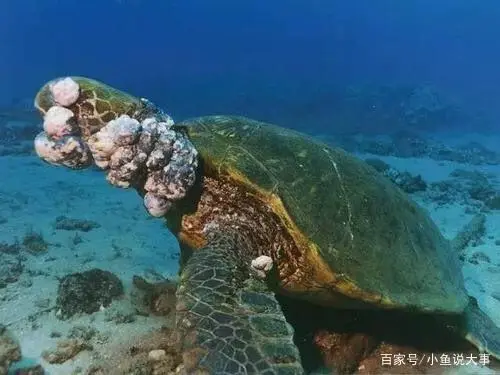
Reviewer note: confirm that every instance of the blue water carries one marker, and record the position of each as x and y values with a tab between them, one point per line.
413	83
267	59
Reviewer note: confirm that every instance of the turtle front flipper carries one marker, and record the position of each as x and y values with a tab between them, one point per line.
481	331
230	321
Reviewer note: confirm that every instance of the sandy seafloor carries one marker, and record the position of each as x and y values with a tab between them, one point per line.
33	194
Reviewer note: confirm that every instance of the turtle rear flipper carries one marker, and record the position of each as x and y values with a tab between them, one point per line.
481	331
229	321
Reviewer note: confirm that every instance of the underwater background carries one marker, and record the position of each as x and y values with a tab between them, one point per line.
284	62
410	86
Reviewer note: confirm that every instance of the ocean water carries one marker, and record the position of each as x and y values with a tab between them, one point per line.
88	277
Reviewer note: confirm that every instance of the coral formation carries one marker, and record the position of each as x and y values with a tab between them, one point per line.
33	370
478	257
11	264
34	242
66	223
86	292
65	350
158	298
406	144
470	188
405	180
9	350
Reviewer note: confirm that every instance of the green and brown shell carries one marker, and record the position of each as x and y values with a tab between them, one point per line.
359	237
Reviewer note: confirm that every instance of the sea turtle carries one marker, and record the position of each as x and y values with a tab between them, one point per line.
262	209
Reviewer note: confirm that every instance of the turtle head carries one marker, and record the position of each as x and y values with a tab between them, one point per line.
87	122
93	103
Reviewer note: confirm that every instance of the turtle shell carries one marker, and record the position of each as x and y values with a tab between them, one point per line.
360	236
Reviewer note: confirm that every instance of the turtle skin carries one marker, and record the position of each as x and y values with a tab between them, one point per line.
229	321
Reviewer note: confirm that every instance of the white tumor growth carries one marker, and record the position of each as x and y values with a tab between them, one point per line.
122	131
69	151
156	206
56	122
262	265
65	91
